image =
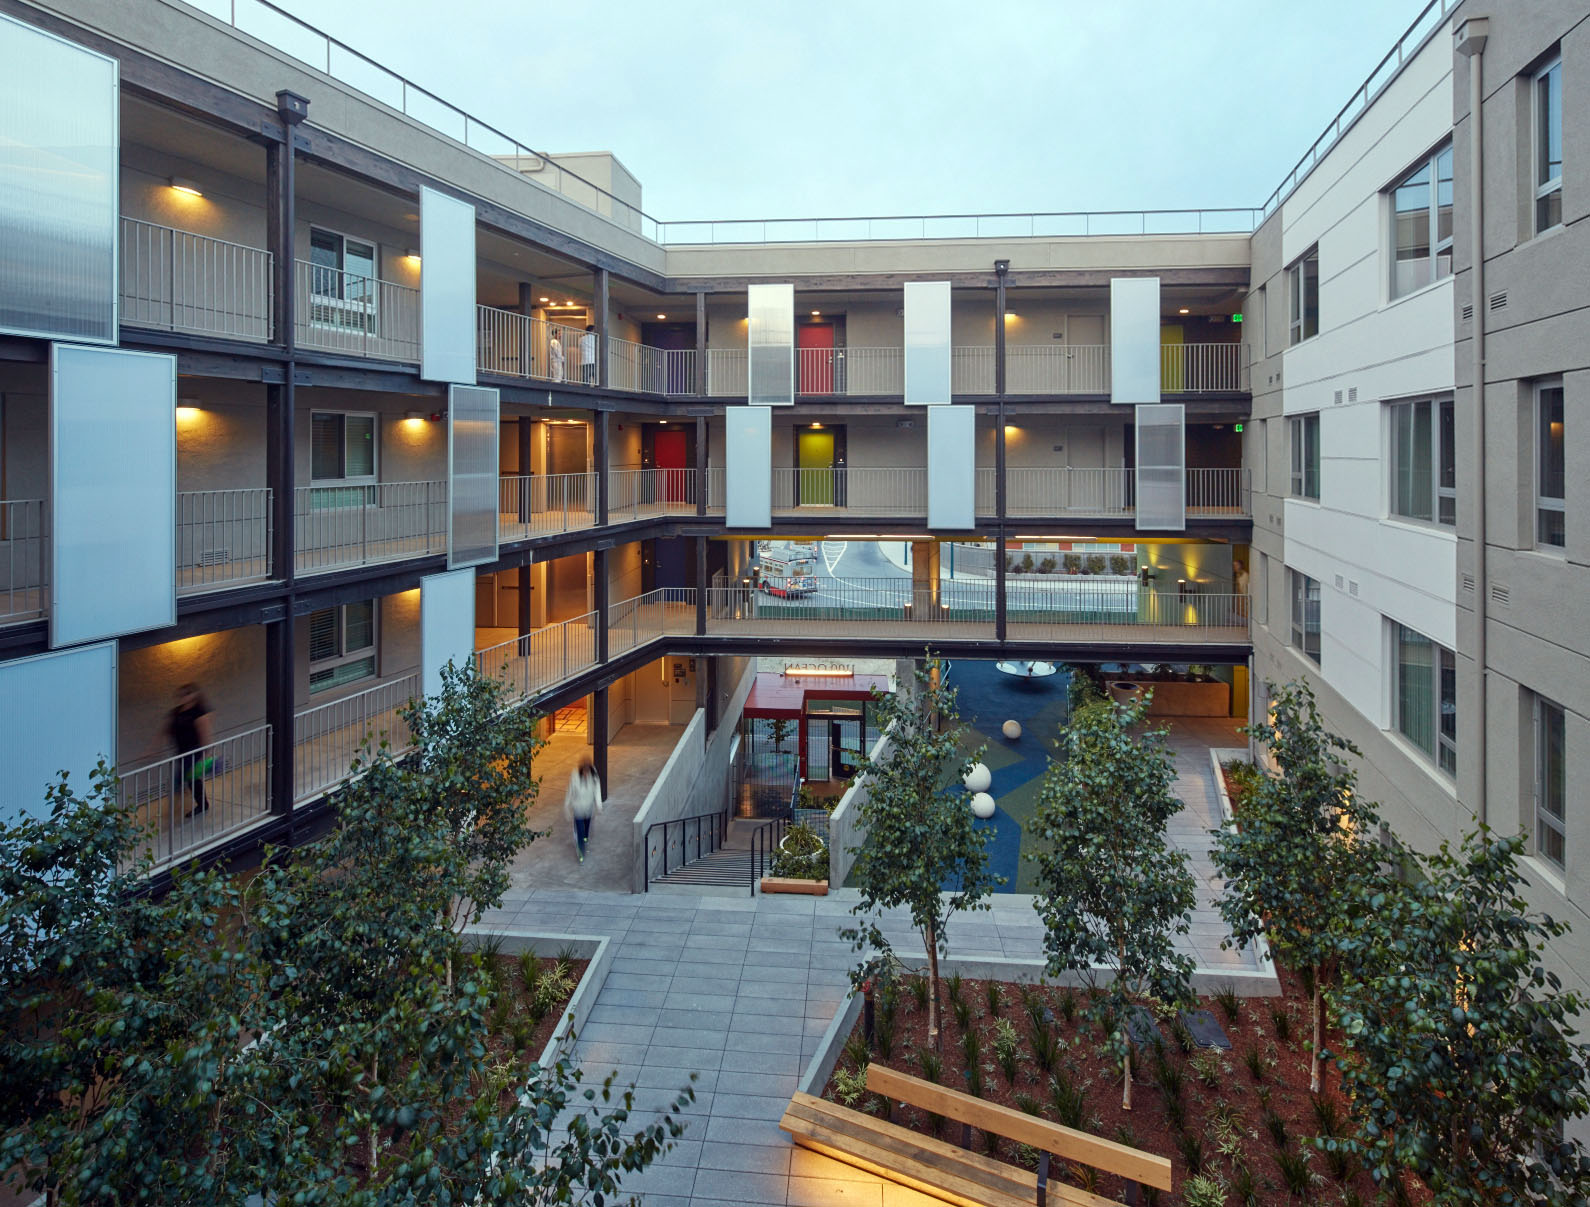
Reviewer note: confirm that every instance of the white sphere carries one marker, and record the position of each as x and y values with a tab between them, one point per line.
982	805
1011	729
978	778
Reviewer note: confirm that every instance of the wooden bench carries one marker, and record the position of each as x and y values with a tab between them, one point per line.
953	1173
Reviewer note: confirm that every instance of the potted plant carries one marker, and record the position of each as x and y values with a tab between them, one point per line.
1072	563
1095	563
799	865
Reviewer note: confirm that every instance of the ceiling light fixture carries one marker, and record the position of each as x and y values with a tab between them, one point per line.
545	299
815	313
1184	310
662	316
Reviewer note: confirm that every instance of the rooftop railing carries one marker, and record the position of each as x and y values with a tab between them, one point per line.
1058	225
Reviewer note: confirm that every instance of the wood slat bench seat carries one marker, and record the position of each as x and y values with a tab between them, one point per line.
956	1174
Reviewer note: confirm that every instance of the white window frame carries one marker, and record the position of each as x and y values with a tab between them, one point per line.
1440	249
1298	446
1545	819
369	479
1297	279
1298	609
344	656
335	310
1548	503
1443	751
1442	501
1539	88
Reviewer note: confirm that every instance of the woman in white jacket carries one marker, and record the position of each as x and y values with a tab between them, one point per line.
583	801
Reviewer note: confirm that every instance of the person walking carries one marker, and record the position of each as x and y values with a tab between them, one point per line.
588	355
555	356
189	727
582	802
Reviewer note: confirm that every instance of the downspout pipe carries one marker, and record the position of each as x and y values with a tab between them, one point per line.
1469	40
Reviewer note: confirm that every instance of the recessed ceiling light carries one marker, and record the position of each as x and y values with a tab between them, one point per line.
546	299
815	313
1184	310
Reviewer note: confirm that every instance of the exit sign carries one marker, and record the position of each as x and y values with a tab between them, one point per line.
1236	318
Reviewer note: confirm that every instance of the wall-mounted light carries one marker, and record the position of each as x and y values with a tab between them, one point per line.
181	184
661	317
1011	316
816	313
1184	310
413	417
187	412
816	427
410	254
543	300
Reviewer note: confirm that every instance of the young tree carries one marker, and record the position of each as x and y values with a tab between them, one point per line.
922	852
1460	1061
1114	893
1303	841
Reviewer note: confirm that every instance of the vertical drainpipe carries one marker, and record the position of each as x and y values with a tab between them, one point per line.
1469	40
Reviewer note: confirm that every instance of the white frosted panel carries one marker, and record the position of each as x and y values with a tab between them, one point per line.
927	342
1134	340
59	188
57	713
952	462
447	624
113	492
748	467
473	430
447	288
770	337
1161	467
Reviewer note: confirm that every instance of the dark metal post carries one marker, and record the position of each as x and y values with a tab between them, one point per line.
598	726
599	290
599	591
525	430
1001	616
701	466
1001	267
701	343
701	586
599	455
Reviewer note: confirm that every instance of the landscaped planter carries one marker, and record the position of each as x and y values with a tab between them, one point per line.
595	950
792	884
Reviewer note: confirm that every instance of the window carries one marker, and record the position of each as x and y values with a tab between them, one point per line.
1304	592
1550	467
1421	224
1424	461
1551	780
1305	456
1424	695
1303	296
341	645
343	268
1548	147
342	447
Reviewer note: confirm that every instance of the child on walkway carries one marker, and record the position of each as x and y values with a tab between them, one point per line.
583	801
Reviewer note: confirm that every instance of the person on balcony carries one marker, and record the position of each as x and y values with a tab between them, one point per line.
582	802
555	356
189	728
588	355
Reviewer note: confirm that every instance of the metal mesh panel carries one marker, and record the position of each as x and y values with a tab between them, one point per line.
770	314
1161	467
1134	340
472	434
59	153
927	342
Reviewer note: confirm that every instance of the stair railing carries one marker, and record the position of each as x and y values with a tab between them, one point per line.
706	831
764	841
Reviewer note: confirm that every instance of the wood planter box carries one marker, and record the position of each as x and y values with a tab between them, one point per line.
787	884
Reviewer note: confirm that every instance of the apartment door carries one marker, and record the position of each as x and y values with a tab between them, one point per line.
566	446
1172	359
815	354
677	338
814	465
1087	358
671	450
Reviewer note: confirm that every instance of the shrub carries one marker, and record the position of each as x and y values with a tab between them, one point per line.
1068	1006
1192	1151
1254	1059
1209	1068
1066	1100
1095	563
1026	563
1327	1115
803	855
848	1087
963	1013
996	997
529	969
931	1064
1282	1021
1046	566
1120	563
1072	562
1045	1047
1204	1190
1242	777
1007	1049
1276	1126
856	1050
920	989
1230	1003
955	987
1295	1173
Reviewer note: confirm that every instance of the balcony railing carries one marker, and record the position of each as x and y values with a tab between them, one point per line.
635	494
542	504
230	778
890	490
357	315
223	538
326	738
1062	490
1219	492
551	655
358	525
1105	608
726	372
640	367
515	345
24	560
178	281
667	611
1203	368
1057	369
972	369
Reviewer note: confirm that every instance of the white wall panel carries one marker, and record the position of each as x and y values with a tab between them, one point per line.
447	288
927	342
1161	467
1134	340
57	713
447	624
748	467
60	153
952	467
113	492
770	336
473	431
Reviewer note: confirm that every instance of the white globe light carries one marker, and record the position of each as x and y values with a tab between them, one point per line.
978	778
1011	729
982	805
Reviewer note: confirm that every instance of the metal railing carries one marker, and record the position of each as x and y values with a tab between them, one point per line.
1057	368
530	664
716	485
223	538
178	281
24	560
666	611
642	368
537	504
1235	221
1218	492
357	525
884	490
634	493
327	737
862	604
1195	368
1035	610
821	372
986	490
511	344
190	800
972	369
765	840
727	375
340	311
1064	490
695	836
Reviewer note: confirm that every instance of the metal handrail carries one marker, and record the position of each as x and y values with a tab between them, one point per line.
764	841
716	836
1052	224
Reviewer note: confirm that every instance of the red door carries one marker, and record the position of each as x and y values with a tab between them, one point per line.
668	447
815	350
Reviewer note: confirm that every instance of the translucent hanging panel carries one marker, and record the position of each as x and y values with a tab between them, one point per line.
927	342
57	713
447	624
952	470
748	467
1161	467
770	338
1134	340
473	430
447	288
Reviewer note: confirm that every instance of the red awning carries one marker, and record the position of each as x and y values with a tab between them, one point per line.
777	695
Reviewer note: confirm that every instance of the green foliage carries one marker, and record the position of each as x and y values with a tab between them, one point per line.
995	994
1113	892
920	989
781	729
1120	564
1045	1047
963	1012
1095	563
1296	1175
1204	1190
1461	1058
931	1064
856	1050
1191	1147
1026	563
1230	1004
1072	562
1046	566
803	855
1067	1100
1007	1049
920	836
850	1085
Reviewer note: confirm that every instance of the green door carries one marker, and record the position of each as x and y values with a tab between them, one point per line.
814	458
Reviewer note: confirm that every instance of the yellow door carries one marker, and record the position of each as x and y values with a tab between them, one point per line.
1172	359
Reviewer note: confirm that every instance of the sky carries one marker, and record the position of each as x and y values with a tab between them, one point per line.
772	109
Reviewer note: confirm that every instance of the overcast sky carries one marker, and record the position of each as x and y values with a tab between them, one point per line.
765	108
